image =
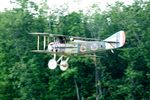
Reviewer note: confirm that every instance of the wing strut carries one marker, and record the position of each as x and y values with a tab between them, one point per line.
44	42
38	42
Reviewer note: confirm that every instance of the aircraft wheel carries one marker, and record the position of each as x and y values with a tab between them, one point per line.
64	65
52	64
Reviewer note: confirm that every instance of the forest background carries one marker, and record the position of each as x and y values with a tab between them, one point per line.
122	75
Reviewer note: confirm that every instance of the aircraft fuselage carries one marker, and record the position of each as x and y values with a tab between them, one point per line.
76	47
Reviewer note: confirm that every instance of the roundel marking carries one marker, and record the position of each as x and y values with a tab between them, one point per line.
94	47
83	48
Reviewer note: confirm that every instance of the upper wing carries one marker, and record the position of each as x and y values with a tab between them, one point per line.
39	33
48	34
66	36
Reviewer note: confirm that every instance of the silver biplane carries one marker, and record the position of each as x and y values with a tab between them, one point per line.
69	45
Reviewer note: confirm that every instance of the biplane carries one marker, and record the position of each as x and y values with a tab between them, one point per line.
69	45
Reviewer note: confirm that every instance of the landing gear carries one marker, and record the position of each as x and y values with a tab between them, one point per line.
64	64
52	64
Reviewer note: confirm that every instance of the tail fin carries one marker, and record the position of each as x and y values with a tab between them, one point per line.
116	40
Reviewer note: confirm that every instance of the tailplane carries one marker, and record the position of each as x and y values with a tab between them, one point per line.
116	40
